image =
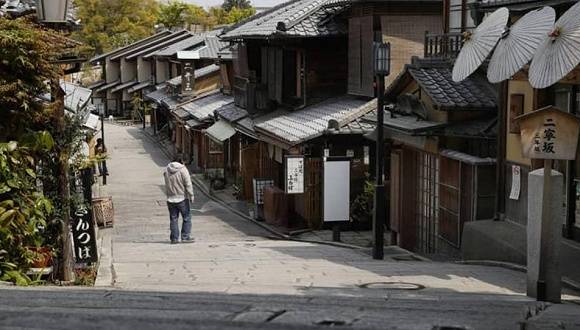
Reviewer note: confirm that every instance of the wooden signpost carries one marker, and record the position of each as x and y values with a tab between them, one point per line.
547	134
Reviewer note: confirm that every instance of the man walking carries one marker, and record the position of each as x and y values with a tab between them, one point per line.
179	194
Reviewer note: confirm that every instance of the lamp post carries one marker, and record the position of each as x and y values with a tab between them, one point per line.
55	12
382	67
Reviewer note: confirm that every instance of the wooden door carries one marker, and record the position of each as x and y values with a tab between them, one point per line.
249	169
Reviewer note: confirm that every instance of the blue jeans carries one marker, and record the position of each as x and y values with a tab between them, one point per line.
174	210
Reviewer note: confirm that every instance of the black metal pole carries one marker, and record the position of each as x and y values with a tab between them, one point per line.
103	134
379	201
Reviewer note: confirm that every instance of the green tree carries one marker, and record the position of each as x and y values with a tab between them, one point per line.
240	4
178	14
173	14
237	14
109	24
26	54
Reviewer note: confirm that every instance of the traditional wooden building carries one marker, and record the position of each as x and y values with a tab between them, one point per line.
441	137
122	72
304	74
505	239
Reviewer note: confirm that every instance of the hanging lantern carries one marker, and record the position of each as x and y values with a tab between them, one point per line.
52	11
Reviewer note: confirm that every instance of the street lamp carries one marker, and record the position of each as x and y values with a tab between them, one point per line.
52	11
382	68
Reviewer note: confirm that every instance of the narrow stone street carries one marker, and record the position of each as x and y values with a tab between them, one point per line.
233	255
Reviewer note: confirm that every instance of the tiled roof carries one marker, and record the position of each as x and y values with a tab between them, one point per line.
303	125
182	114
479	128
103	88
230	112
172	49
192	123
139	86
474	93
297	18
123	86
520	4
247	124
202	108
172	102
206	70
140	46
158	95
145	51
131	46
213	48
96	84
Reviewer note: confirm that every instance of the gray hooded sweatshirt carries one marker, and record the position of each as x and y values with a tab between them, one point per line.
178	185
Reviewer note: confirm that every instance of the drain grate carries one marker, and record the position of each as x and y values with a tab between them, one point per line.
392	286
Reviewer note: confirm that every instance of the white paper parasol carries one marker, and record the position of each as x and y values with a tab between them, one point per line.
560	52
479	43
520	43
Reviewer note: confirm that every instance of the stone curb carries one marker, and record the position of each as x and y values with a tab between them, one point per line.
566	282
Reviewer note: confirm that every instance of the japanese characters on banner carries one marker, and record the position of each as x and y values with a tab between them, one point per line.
84	236
516	182
294	175
188	77
259	185
549	133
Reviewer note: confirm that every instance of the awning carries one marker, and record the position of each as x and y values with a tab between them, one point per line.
138	87
220	131
107	86
123	86
96	84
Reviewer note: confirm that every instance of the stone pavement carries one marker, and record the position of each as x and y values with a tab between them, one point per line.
232	255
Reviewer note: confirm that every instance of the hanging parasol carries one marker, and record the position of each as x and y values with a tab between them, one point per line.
519	44
479	43
560	52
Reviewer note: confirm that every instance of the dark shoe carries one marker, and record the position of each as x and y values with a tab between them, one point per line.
174	242
188	240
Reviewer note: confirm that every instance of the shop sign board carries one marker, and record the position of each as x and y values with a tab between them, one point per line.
294	175
336	189
84	236
549	133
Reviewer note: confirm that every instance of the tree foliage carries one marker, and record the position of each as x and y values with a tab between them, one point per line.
46	139
26	53
220	16
23	210
228	5
109	24
178	14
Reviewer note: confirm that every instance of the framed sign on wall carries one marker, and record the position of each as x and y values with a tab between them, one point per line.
294	175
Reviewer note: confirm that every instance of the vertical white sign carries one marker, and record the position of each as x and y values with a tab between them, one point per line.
516	182
367	157
295	175
336	191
